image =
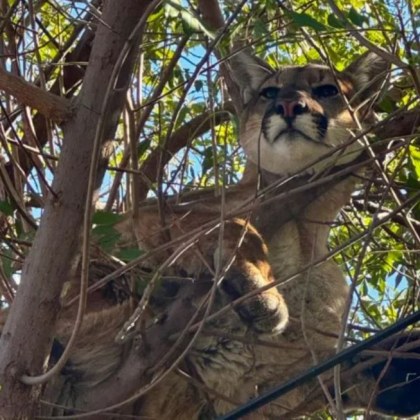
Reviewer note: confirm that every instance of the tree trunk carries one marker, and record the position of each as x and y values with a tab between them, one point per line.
27	335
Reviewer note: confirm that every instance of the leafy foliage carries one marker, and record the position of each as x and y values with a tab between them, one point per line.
177	84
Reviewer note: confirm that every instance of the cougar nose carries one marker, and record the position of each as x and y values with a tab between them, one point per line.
290	109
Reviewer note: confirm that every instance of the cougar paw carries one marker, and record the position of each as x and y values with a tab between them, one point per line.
265	312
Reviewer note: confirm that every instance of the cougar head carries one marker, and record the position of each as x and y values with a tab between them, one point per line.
295	116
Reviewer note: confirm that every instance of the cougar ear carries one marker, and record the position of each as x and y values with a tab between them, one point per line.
248	72
368	72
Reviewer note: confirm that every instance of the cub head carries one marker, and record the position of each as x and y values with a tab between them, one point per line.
295	115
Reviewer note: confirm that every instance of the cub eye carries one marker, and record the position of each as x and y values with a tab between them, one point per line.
270	92
325	91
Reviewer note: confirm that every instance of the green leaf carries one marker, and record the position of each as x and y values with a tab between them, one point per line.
374	311
185	110
106	218
416	211
192	173
303	19
356	18
7	262
198	107
387	105
198	85
333	55
398	279
106	236
208	159
157	14
142	147
415	160
412	182
19	229
186	28
190	23
364	289
334	22
260	29
6	208
129	254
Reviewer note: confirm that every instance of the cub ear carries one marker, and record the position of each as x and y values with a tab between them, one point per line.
368	73
248	72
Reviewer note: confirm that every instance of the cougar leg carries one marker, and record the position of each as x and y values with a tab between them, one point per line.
266	312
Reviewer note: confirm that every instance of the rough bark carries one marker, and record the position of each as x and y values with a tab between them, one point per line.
27	334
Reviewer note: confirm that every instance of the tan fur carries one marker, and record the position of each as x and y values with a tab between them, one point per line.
239	370
315	301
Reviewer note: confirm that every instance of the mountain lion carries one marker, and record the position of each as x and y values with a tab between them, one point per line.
284	314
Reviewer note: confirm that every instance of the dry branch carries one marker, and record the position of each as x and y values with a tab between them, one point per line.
403	124
179	139
72	75
213	18
51	106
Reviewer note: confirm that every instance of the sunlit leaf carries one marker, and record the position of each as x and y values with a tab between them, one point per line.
193	23
415	160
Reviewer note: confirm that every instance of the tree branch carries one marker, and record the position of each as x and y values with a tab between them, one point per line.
213	18
72	75
179	139
403	124
26	338
51	106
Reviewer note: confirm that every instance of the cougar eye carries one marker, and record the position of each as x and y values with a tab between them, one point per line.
270	92
325	91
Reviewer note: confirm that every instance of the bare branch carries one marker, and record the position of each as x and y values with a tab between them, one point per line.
391	58
212	16
179	139
402	124
51	106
